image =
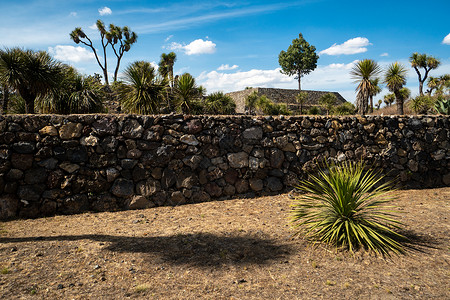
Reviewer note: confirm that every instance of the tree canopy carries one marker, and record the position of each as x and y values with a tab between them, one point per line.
426	62
120	40
299	59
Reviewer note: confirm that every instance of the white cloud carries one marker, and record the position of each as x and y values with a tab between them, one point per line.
200	47
384	54
195	47
168	38
446	40
104	11
352	46
93	26
227	67
71	53
73	14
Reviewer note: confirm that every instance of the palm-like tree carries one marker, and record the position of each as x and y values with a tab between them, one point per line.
427	62
219	104
186	93
395	79
31	74
375	90
143	91
363	72
166	66
76	94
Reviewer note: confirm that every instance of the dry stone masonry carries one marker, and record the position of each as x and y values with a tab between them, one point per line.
69	164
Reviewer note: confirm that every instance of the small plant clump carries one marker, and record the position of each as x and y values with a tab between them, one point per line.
347	206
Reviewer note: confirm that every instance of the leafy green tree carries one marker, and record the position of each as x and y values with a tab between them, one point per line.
375	90
345	108
426	62
328	101
363	72
30	74
250	102
120	40
301	99
299	59
219	104
268	107
187	94
395	79
143	91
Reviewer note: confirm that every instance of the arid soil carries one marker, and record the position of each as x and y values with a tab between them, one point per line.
236	249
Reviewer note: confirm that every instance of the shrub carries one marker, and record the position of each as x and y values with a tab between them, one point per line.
442	105
422	104
345	108
348	207
314	111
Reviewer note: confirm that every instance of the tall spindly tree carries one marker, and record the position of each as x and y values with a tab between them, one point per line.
375	90
299	59
425	62
364	72
395	79
166	66
120	40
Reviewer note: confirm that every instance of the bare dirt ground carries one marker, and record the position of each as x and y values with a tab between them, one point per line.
236	249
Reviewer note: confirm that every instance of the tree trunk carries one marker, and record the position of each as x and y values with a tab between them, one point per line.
5	100
421	88
371	104
116	71
399	101
361	103
29	106
299	82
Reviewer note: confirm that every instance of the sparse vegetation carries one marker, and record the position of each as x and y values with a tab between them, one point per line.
347	206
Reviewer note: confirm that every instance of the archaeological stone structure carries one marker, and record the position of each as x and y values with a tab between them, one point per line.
280	96
53	164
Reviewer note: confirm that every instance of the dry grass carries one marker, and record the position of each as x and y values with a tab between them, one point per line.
237	249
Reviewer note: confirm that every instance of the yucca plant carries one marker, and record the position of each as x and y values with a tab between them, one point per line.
347	206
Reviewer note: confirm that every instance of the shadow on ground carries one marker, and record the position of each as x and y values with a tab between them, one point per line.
200	249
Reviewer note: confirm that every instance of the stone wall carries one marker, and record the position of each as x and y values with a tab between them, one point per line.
280	96
70	164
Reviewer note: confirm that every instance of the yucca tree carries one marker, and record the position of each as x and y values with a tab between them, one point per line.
426	62
166	65
347	206
389	99
363	72
143	91
187	93
219	104
31	74
395	79
375	90
328	102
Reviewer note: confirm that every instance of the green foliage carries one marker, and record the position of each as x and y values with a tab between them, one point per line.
364	73
328	102
299	59
395	79
389	99
74	94
346	206
251	101
166	67
301	99
143	91
219	104
187	95
314	111
264	105
345	108
442	105
30	74
426	62
422	104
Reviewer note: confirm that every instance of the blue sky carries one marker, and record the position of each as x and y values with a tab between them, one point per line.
228	45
